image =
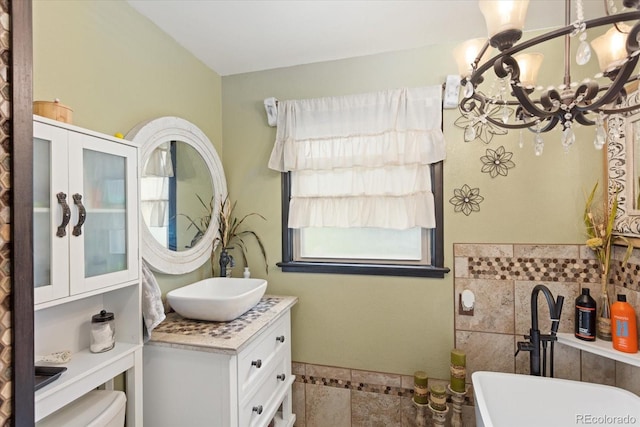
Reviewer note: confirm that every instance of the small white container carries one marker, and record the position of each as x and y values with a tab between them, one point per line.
103	332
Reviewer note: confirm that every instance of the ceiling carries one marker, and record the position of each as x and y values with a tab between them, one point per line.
238	36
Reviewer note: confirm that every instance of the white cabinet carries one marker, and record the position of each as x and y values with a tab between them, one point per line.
85	212
86	259
250	387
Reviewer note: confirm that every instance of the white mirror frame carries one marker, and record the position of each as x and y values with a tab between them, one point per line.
150	135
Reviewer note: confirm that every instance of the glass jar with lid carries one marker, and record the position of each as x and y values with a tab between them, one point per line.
103	332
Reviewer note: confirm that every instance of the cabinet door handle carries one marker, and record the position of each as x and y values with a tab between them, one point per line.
257	363
82	214
281	377
280	338
66	214
257	409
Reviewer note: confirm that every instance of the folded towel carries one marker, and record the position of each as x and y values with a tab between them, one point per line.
152	308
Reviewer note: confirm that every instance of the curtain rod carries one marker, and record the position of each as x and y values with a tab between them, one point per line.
450	90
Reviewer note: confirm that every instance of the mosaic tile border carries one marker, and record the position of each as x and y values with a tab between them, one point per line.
534	269
583	269
350	385
386	389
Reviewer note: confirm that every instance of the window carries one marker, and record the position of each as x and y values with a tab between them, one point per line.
158	184
362	183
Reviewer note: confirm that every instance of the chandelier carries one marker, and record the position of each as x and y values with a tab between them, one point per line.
537	109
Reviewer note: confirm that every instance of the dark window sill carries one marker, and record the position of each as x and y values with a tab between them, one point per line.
365	269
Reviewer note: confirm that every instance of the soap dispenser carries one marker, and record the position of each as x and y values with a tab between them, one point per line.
624	331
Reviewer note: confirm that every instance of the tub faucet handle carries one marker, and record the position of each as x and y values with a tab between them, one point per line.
523	346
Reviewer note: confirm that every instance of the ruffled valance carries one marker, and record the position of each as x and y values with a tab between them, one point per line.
361	160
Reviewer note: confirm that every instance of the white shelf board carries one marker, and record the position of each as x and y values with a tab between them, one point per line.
601	348
85	371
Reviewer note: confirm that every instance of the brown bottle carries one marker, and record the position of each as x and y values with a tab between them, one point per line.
585	318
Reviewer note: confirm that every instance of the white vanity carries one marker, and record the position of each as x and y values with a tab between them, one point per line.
86	259
225	374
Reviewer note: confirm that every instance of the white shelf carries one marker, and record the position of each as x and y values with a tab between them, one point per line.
86	370
601	348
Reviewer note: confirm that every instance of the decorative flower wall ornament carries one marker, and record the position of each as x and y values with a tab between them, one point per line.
497	162
477	126
466	200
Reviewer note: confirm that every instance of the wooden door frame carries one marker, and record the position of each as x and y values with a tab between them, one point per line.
21	83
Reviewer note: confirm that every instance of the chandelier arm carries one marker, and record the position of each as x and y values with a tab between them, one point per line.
469	104
506	65
612	92
549	98
581	118
621	110
501	124
549	107
583	96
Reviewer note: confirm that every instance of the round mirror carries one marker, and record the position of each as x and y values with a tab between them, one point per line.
182	187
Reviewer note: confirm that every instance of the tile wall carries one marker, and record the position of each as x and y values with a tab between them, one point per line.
326	396
502	278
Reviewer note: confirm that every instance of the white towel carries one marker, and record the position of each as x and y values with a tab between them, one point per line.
152	308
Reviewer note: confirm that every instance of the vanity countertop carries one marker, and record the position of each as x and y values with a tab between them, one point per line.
220	337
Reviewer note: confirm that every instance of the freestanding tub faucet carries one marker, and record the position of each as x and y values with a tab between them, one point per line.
535	339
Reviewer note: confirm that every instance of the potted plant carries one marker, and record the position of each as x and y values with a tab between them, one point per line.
599	225
231	234
200	224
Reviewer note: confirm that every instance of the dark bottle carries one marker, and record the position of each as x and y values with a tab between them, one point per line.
585	318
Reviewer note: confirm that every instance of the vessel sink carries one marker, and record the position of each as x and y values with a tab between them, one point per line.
218	299
508	400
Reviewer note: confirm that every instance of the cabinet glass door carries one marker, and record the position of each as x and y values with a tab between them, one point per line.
50	201
106	225
103	227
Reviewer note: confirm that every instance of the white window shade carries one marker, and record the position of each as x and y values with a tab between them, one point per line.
361	160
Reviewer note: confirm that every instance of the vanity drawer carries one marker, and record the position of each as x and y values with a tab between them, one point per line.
258	409
261	356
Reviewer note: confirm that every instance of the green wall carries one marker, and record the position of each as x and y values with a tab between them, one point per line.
398	324
115	69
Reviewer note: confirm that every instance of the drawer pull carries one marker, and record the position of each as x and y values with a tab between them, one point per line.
257	409
281	377
257	363
280	338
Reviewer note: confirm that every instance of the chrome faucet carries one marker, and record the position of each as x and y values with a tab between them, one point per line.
535	339
226	260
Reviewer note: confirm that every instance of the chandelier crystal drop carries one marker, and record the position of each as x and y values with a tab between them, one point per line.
515	67
601	135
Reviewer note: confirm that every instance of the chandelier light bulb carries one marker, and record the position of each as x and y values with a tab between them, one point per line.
611	47
465	54
529	64
503	15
